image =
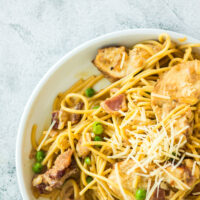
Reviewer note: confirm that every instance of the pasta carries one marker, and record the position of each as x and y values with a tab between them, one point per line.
131	152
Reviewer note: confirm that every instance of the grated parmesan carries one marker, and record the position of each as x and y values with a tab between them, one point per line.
122	61
160	96
193	167
47	134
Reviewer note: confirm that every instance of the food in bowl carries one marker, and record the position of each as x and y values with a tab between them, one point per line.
136	139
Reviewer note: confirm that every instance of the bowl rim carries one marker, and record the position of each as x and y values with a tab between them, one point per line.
50	72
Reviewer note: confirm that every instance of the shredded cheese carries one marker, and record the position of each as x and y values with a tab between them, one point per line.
194	167
196	193
179	162
153	189
192	155
122	61
131	118
160	96
179	182
148	185
47	134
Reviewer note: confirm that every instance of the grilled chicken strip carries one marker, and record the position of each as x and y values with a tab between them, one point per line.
180	85
115	62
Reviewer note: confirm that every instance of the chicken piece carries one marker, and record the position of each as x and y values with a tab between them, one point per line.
183	173
82	150
115	63
60	117
62	169
108	61
180	85
114	104
75	118
138	57
127	181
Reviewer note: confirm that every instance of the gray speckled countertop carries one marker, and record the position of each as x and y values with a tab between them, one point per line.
35	34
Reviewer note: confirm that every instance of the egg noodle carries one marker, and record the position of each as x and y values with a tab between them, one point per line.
134	134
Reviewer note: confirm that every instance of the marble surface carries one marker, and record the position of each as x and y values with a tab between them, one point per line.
34	34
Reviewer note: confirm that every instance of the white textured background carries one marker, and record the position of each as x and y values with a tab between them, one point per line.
34	34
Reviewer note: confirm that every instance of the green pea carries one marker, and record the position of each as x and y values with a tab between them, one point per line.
87	161
97	128
97	138
37	167
89	179
140	194
40	156
89	92
96	107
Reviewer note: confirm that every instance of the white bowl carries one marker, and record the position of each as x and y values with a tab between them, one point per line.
64	73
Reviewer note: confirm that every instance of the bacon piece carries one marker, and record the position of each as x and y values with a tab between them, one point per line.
83	151
55	118
62	169
60	117
75	118
114	104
